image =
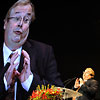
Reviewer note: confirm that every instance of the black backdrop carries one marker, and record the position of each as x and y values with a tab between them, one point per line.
72	28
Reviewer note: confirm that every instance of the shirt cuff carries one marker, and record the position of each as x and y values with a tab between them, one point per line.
26	84
81	85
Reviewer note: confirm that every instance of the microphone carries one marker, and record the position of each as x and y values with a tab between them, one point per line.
68	81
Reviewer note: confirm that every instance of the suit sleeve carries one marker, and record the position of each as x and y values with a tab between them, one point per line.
2	88
2	85
90	89
47	68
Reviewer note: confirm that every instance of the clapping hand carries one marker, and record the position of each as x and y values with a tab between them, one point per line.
12	72
77	83
26	67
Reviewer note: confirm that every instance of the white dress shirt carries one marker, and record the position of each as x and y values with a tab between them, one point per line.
6	53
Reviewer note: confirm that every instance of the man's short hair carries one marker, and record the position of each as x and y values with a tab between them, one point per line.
21	2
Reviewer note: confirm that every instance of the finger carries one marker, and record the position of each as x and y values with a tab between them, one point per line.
16	73
25	54
26	66
26	63
80	79
22	76
77	79
23	71
14	57
26	59
11	67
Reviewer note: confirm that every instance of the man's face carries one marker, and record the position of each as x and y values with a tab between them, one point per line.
86	75
17	26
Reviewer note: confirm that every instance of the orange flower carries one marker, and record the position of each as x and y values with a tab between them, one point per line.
46	93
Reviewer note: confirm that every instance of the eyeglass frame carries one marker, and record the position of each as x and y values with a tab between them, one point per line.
86	72
19	18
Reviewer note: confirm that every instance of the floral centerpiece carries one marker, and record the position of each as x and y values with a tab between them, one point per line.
46	93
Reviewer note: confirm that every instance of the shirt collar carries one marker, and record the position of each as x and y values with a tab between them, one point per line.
7	52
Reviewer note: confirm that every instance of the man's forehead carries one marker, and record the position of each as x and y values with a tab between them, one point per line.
22	9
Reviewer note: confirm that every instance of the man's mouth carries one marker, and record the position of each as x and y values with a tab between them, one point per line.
18	32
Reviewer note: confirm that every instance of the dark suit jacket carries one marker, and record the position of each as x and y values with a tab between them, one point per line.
43	66
88	90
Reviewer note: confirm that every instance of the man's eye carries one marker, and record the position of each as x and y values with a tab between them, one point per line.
17	18
26	20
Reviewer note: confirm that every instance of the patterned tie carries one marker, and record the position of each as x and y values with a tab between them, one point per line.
10	91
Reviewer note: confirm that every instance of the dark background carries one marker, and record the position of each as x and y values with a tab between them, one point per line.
72	28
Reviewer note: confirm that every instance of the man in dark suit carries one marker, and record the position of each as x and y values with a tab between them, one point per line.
32	63
87	86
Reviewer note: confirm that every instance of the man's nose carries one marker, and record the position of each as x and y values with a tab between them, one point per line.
20	23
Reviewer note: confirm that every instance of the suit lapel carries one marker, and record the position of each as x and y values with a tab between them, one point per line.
1	58
21	64
25	47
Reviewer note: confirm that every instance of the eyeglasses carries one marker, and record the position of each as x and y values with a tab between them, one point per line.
86	72
26	19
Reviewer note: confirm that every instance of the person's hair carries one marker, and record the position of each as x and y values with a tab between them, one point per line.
21	2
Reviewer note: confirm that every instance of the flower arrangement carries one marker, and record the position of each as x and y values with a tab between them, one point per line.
46	93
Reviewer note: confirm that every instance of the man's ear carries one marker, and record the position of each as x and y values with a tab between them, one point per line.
5	23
